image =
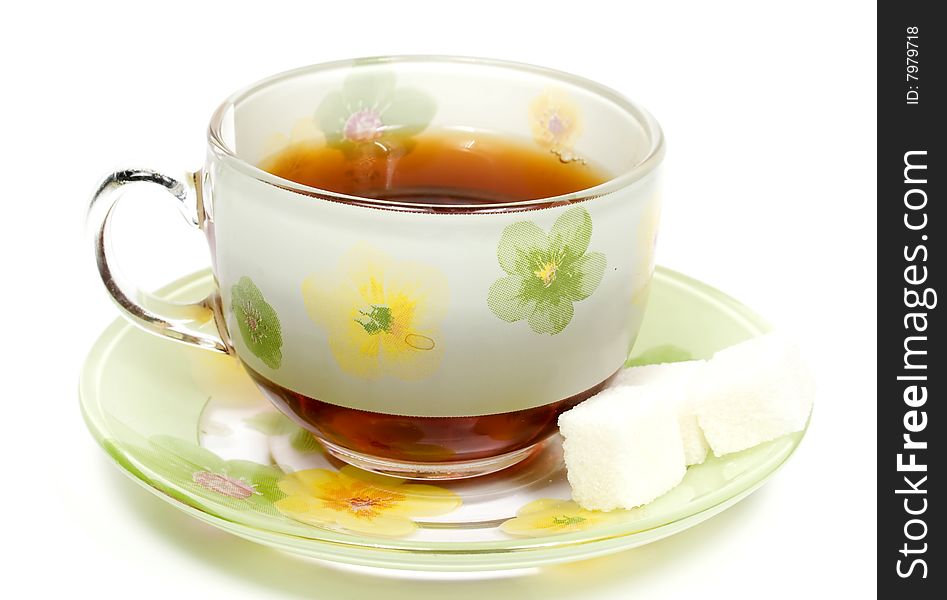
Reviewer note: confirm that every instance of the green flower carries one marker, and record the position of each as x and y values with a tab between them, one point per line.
199	472
258	322
370	107
547	273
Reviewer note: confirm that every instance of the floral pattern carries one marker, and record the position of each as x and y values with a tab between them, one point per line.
372	121
555	122
360	501
382	315
259	325
239	484
546	273
548	516
370	107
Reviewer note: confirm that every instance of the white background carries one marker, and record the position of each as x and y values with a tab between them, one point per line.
769	112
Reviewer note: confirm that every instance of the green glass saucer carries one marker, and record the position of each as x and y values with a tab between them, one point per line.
190	426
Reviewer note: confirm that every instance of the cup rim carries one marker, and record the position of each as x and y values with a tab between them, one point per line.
623	179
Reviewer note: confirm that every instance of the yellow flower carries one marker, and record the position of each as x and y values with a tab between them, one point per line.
548	516
361	501
555	122
382	315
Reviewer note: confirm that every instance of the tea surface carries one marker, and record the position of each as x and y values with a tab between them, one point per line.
442	167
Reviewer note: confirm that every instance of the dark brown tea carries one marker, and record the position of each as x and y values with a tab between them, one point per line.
448	168
455	171
423	439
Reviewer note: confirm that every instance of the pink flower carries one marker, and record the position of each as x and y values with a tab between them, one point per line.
228	486
556	126
364	125
555	121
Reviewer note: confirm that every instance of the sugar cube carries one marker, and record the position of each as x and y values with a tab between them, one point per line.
677	378
675	372
751	393
622	448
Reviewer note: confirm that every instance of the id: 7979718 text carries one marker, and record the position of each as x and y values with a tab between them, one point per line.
911	65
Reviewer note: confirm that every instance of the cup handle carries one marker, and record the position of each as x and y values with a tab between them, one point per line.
178	321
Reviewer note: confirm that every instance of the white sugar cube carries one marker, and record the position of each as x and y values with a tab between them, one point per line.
677	378
622	448
751	393
675	372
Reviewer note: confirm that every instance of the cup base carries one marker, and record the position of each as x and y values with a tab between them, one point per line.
461	469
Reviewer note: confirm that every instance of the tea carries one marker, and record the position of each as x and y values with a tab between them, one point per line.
442	171
419	440
450	168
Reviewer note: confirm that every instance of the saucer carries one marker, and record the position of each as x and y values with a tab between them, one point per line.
190	426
